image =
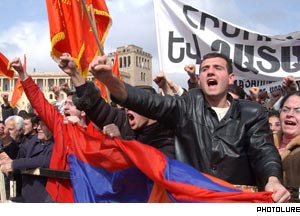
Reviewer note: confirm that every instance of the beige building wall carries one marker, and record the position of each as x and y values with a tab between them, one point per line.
135	67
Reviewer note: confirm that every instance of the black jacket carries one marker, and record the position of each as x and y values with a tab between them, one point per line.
101	113
238	149
8	111
33	154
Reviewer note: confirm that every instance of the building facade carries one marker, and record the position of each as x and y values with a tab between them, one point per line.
135	68
135	65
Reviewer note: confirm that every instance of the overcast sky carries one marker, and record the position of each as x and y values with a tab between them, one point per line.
24	25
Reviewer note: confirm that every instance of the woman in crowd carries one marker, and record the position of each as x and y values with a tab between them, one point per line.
290	144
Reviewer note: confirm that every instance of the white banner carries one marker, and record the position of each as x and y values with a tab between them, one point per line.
185	34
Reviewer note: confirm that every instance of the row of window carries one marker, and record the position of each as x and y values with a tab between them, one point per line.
139	62
6	83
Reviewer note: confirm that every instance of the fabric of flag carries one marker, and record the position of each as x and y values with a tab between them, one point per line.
112	170
18	91
4	70
70	30
115	67
102	88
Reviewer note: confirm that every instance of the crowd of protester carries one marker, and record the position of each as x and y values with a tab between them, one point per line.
248	140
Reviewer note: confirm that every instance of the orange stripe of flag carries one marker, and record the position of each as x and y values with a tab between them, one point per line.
4	70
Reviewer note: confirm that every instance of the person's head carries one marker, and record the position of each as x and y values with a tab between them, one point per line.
2	129
137	121
4	134
30	123
290	115
236	92
15	125
274	121
70	109
22	113
43	131
215	75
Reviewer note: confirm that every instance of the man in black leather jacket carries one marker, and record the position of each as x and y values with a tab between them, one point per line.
227	138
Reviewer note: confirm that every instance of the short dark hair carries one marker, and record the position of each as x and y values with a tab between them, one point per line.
237	90
274	113
33	118
22	113
147	88
219	55
297	93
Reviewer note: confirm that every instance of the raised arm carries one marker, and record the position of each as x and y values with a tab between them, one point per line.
17	65
89	99
48	113
102	70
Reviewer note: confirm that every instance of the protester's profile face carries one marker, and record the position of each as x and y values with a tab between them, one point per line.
28	127
13	132
214	77
43	132
274	123
290	117
70	109
3	131
135	120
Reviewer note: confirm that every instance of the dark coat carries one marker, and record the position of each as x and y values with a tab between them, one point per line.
238	149
290	162
101	113
33	154
8	111
12	150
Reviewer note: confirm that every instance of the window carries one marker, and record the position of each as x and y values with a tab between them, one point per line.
143	76
120	59
125	61
129	61
50	82
40	84
6	85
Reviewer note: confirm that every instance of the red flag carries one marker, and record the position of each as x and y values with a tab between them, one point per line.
70	30
115	67
25	63
112	163
17	94
18	91
102	88
4	67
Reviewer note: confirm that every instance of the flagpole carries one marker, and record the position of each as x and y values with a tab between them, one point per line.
93	26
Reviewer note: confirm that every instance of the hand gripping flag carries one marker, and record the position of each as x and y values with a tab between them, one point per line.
4	70
70	30
112	170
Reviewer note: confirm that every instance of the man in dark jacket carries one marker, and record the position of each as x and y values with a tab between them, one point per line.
220	136
11	148
7	110
35	153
